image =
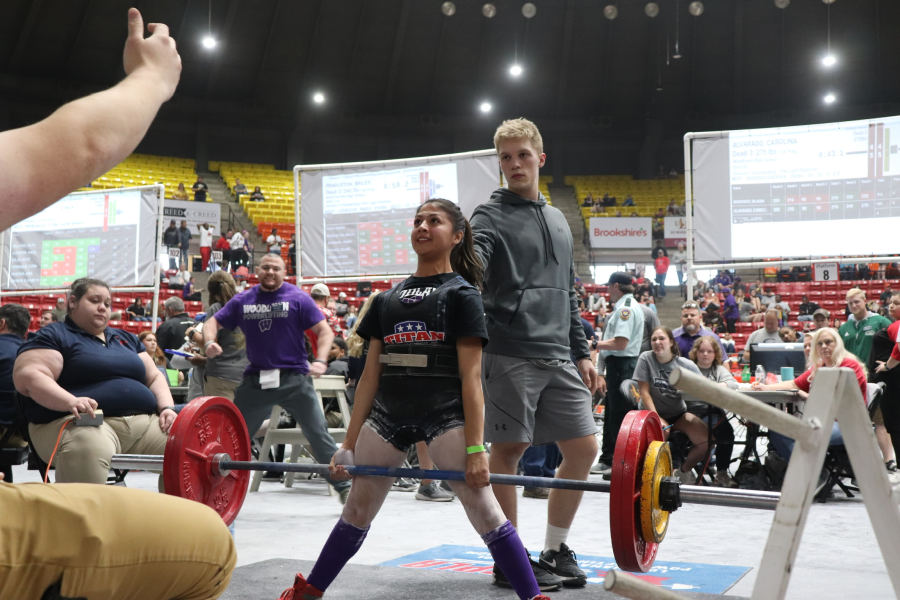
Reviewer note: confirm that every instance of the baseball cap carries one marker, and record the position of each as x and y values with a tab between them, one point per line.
320	289
823	312
621	278
342	295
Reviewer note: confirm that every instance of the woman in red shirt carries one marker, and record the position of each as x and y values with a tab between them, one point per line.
827	351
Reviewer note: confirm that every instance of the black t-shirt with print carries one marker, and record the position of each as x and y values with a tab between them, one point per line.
408	397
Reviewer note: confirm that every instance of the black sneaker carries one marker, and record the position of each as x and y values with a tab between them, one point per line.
563	565
547	581
891	465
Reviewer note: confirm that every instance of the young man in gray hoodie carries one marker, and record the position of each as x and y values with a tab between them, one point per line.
534	393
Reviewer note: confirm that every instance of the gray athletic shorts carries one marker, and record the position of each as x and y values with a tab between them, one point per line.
534	400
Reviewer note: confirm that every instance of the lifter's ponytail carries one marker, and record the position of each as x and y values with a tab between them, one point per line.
463	258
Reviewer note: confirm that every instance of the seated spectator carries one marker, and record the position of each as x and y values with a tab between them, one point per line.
47	317
788	335
660	214
60	310
661	172
652	374
351	317
292	255
64	371
338	360
629	201
783	308
806	309
588	201
240	278
148	338
274	242
712	318
599	206
885	296
14	321
728	342
364	289
767	297
758	286
634	214
257	195
190	293
739	296
707	355
170	335
821	319
673	174
180	193
767	335
618	213
608	200
722	280
238	189
341	306
738	286
223	245
647	300
136	310
709	297
827	350
673	210
754	300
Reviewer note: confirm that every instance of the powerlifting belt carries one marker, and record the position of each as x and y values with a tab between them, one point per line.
420	360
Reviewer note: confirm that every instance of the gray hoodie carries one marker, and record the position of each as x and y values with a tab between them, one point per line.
529	300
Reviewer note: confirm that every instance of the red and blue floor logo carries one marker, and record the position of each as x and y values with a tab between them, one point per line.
689	577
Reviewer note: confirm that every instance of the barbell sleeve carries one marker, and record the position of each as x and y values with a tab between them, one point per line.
758	412
690	494
629	586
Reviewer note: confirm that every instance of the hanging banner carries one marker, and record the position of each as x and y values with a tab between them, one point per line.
675	229
621	232
195	213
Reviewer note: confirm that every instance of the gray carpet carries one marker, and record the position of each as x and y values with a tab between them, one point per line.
269	578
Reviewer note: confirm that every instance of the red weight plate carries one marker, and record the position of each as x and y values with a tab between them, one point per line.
206	427
632	552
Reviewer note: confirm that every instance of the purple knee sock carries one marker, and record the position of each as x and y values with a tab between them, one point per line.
342	544
510	555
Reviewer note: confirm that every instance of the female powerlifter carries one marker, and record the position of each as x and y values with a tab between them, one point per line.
422	382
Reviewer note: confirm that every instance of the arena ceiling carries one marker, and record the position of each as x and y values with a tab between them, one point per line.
390	58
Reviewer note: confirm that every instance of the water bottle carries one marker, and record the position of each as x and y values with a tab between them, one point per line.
745	374
760	374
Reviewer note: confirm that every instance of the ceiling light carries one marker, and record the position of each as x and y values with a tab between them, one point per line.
486	107
829	60
696	8
529	10
515	70
782	3
489	10
829	98
319	98
652	9
448	8
611	12
209	42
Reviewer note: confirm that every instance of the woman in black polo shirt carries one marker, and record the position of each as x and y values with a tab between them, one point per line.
75	367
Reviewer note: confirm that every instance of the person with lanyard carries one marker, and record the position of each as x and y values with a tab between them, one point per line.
422	382
535	393
618	354
273	316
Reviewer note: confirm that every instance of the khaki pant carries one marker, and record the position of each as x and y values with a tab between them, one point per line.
110	542
216	386
84	453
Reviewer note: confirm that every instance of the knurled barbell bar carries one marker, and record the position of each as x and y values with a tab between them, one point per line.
207	459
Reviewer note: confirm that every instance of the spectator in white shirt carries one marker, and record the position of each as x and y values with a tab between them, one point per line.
782	307
238	254
206	240
679	259
274	242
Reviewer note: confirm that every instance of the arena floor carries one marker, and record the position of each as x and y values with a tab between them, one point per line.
281	530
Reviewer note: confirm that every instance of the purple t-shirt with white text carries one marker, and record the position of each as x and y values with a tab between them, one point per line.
273	324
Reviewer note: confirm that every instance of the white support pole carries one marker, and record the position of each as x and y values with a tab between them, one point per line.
831	387
689	216
297	222
756	411
629	586
160	213
865	456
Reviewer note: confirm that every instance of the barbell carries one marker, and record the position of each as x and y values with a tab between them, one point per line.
207	459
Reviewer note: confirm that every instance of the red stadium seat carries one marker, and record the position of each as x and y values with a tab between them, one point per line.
815	285
132	327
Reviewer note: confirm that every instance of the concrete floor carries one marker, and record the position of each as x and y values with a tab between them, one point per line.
838	558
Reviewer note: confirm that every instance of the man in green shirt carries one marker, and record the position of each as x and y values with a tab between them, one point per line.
862	325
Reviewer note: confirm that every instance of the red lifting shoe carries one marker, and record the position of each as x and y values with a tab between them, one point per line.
301	591
541	597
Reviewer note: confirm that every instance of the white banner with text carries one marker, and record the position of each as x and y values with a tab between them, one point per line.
621	232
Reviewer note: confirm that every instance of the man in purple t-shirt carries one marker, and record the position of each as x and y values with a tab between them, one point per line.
273	317
691	329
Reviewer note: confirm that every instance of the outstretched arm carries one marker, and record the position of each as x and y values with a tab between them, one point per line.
44	162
